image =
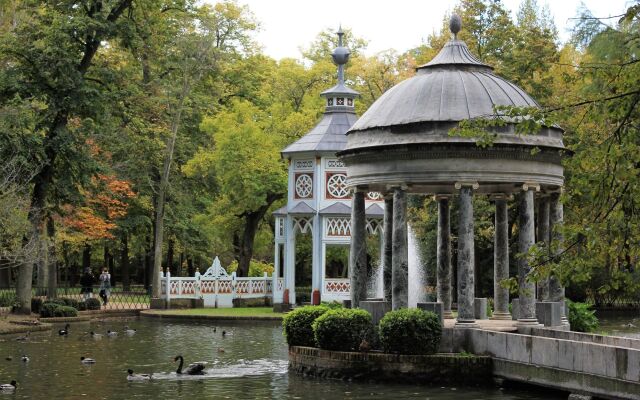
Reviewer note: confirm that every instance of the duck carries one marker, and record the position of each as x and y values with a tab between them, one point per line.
24	338
137	377
214	329
220	350
24	358
86	360
112	333
129	331
65	331
8	387
629	325
9	358
192	369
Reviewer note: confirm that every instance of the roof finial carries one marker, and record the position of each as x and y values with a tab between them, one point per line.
340	56
455	23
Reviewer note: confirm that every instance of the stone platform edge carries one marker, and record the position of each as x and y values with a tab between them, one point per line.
202	317
440	368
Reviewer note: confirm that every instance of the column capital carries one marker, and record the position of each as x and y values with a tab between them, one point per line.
363	189
442	196
461	184
531	186
401	186
500	196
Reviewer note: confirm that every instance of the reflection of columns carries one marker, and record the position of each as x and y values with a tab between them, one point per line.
387	246
526	239
466	255
543	236
444	255
358	253
556	216
400	252
501	259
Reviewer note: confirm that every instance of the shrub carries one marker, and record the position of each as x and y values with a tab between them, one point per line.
410	331
36	304
297	325
332	305
342	329
582	318
92	304
58	301
7	300
48	309
82	306
70	302
65	311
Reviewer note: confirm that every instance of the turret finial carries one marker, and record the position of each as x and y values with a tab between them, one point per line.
340	55
455	24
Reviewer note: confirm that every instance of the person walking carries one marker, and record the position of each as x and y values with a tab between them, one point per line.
105	285
86	282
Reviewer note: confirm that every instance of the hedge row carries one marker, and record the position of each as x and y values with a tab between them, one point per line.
406	331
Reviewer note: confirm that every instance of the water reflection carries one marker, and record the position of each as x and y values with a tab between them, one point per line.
252	366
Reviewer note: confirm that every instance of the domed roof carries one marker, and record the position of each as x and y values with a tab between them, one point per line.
454	86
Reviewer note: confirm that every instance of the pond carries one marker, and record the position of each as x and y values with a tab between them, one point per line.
618	323
252	366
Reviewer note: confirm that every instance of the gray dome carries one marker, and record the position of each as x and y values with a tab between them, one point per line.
453	87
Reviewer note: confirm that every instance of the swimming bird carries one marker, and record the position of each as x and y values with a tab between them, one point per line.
8	387
24	338
629	325
220	350
192	369
224	333
8	358
129	331
65	331
112	333
137	377
24	358
214	329
86	360
95	335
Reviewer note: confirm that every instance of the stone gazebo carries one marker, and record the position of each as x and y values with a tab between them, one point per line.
402	146
318	200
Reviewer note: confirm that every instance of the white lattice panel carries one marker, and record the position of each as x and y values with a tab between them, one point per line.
280	284
242	287
337	286
225	287
338	226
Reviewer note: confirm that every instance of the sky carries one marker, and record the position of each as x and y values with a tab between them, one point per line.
288	25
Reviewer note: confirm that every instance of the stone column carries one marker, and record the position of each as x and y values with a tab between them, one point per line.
543	236
358	253
501	259
526	239
400	252
466	256
556	217
444	255
387	246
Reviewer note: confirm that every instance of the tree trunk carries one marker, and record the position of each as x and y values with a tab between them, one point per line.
148	265
42	273
5	274
65	257
124	261
252	223
52	281
162	190
190	268
86	257
170	265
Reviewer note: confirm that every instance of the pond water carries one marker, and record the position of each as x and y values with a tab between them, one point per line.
625	324
252	366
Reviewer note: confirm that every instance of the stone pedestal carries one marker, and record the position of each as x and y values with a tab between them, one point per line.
358	253
437	308
444	256
466	257
376	308
400	256
501	259
549	313
526	239
480	308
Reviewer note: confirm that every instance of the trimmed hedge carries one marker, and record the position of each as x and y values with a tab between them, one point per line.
410	331
342	329
82	306
70	302
48	308
297	325
65	311
93	304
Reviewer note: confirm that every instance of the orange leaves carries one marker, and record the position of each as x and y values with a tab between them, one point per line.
106	200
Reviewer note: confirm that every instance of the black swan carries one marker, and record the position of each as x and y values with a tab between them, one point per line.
192	369
65	331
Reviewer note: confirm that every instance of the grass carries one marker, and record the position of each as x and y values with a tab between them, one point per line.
253	312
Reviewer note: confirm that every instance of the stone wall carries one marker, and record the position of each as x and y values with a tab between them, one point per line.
587	337
431	369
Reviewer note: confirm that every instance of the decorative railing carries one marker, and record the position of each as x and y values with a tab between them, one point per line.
333	286
202	285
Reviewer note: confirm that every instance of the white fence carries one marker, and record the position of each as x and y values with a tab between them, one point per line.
215	287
